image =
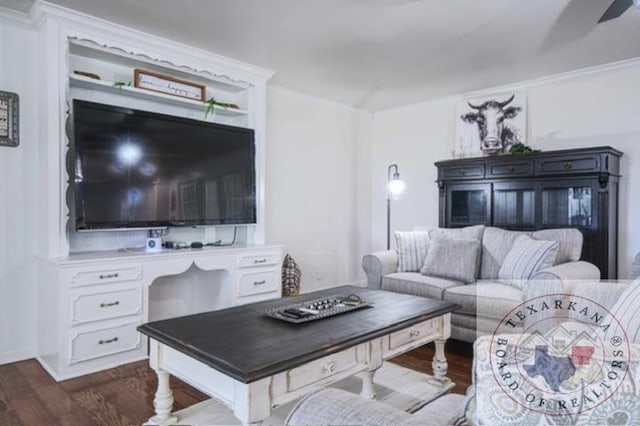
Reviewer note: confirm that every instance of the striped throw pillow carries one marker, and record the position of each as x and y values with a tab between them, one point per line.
526	257
412	249
627	313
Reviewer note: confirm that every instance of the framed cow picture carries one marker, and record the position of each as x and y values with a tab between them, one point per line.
490	125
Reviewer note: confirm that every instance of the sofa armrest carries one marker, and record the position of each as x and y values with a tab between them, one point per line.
569	271
337	407
377	264
605	293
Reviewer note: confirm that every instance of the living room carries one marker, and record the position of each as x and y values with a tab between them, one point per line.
334	118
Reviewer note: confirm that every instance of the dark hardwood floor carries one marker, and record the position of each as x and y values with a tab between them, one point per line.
124	395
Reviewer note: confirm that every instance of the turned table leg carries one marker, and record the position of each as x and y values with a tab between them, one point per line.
367	385
163	401
439	364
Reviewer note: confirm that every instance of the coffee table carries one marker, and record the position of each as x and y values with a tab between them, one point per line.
252	363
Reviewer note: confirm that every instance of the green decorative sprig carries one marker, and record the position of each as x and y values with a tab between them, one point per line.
121	84
521	149
211	104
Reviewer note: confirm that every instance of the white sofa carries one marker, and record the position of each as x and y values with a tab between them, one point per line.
486	301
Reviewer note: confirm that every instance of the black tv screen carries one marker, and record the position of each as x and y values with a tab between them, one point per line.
138	169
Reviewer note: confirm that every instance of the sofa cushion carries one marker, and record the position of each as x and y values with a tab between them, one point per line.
412	249
453	259
526	257
569	239
625	311
488	299
418	285
467	233
496	244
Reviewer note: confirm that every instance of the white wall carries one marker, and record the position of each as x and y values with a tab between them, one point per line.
593	108
318	186
18	203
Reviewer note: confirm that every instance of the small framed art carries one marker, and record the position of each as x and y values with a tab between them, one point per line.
167	84
9	119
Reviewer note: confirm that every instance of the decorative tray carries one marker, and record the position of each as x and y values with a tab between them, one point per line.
318	308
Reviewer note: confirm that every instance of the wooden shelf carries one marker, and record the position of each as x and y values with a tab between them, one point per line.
80	81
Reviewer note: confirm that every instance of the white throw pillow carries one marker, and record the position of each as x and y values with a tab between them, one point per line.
627	312
526	257
412	249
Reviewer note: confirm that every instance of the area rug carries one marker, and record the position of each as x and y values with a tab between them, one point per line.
400	387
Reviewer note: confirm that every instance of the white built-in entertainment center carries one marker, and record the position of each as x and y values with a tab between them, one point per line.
95	288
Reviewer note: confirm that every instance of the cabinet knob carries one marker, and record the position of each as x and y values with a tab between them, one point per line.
414	334
568	165
510	169
462	172
106	305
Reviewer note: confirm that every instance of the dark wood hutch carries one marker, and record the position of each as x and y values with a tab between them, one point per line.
575	188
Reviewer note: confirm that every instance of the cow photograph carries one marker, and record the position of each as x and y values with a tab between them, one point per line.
490	125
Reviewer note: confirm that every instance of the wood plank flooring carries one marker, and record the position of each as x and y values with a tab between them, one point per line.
123	396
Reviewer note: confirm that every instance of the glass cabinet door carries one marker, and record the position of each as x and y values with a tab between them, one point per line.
469	205
514	206
567	206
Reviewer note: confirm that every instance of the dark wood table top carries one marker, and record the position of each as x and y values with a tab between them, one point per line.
244	343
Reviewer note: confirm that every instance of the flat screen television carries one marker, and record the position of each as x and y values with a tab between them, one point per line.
139	169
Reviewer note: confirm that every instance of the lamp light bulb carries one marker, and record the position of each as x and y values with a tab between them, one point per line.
395	187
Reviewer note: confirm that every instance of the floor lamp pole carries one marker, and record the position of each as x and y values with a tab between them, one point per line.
388	223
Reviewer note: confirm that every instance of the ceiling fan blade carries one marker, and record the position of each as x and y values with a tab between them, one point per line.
617	8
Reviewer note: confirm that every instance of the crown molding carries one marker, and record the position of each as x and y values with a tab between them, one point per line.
317	99
42	10
15	18
525	84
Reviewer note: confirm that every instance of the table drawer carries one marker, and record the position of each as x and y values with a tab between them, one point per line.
414	333
105	274
315	371
468	172
261	259
98	343
106	304
258	282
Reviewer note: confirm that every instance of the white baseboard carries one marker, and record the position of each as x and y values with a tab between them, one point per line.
15	356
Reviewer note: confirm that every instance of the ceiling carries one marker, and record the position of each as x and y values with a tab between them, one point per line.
379	54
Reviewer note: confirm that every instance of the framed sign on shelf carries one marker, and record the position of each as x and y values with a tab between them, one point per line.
162	83
9	119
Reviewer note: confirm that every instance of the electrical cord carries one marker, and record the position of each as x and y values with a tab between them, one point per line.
219	242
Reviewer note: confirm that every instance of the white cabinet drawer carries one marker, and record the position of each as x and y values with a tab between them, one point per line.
415	333
260	259
105	274
98	343
316	371
106	304
258	282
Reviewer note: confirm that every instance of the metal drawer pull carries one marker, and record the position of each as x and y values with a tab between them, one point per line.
414	333
329	367
106	305
259	282
106	276
104	342
510	169
260	261
568	164
462	173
